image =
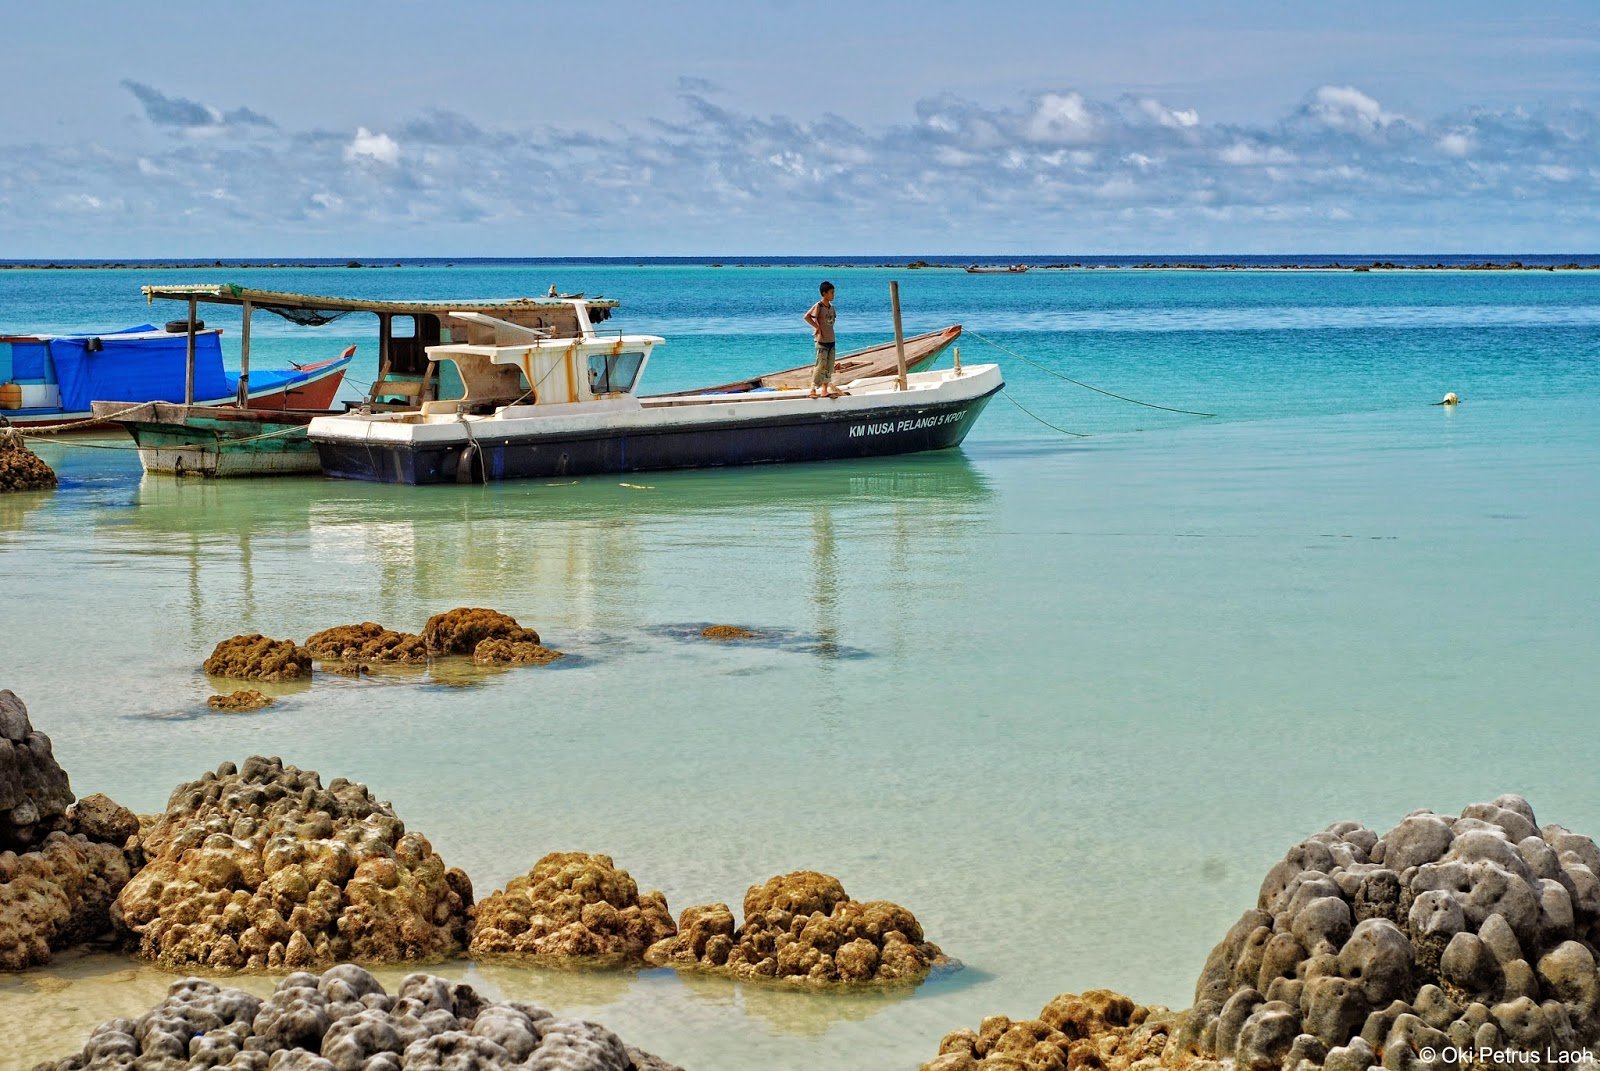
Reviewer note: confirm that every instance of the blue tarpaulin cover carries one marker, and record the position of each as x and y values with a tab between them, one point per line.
128	369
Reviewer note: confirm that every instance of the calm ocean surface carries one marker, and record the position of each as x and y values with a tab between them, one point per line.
1065	698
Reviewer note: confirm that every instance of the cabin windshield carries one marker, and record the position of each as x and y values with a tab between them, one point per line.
613	372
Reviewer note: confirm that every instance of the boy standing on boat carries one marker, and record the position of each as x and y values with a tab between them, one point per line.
820	316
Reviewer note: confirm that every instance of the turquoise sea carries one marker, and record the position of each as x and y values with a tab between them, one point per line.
1066	698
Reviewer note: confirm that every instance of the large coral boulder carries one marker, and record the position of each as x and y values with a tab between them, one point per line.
1098	1030
20	468
367	642
461	630
261	867
255	657
1471	932
802	928
61	863
34	791
571	904
345	1021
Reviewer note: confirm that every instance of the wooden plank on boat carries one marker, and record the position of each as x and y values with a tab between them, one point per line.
873	361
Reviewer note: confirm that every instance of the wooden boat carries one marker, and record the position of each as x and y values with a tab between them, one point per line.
201	440
52	381
996	269
921	351
532	406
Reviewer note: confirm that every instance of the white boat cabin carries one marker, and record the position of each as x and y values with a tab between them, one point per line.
518	369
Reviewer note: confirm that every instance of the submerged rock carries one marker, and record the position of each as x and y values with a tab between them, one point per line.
345	1021
254	657
61	863
242	701
1472	931
20	468
260	867
571	904
461	630
728	632
367	642
801	928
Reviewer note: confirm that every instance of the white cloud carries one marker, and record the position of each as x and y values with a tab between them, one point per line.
1169	117
1249	154
377	148
1061	117
1347	108
1057	168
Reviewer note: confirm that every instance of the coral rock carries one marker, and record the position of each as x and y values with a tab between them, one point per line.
1097	1031
367	642
728	632
20	468
1476	930
501	652
345	1021
102	819
571	904
801	928
56	896
255	657
58	891
263	868
240	702
34	790
460	631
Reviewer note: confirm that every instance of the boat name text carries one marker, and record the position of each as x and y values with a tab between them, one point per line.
889	426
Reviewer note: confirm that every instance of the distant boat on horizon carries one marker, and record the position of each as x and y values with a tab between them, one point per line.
997	269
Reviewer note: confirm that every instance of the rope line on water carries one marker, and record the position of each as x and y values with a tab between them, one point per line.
1079	383
1006	394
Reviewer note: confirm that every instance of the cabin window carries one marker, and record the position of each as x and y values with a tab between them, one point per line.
613	372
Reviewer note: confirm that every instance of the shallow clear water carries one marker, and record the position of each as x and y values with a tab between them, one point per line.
1066	699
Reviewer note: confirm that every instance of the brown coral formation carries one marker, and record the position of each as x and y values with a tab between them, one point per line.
20	468
260	867
459	631
255	657
344	1021
498	652
1098	1031
61	864
728	632
367	642
1473	936
571	904
801	928
242	701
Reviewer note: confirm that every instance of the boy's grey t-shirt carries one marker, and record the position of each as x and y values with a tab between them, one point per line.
824	315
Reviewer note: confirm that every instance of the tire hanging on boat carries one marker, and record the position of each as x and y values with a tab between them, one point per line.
469	453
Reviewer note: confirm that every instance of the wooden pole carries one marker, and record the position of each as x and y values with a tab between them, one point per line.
244	360
899	335
188	360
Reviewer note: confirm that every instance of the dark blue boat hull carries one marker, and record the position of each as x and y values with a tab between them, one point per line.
827	434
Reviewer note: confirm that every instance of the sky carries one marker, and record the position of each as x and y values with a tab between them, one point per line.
348	128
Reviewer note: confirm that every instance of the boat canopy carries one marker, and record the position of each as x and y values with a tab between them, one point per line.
136	362
311	309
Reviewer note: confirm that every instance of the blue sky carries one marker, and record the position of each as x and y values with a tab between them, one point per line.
479	129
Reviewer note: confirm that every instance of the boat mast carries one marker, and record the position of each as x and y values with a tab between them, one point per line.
899	336
244	359
188	358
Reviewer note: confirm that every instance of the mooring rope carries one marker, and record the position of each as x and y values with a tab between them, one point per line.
1075	434
1079	383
